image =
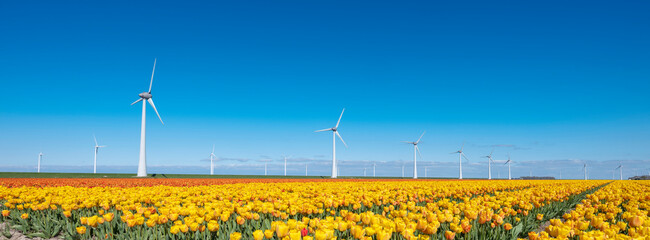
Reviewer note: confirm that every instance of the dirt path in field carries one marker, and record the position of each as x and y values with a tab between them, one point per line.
15	235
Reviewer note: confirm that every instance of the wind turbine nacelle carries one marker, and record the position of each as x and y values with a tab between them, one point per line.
145	95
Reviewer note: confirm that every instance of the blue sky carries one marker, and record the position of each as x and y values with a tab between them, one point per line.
553	83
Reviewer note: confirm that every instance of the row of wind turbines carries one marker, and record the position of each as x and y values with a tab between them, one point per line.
416	152
146	97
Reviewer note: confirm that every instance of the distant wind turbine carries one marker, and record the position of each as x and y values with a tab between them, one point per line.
285	164
374	169
584	168
212	157
620	168
335	134
425	171
416	151
461	155
489	157
305	169
146	96
402	170
96	150
40	157
509	162
364	171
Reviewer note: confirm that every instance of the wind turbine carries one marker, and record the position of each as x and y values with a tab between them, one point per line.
212	157
584	168
508	162
40	157
425	171
490	160
364	171
461	155
146	96
416	150
402	170
285	165
374	169
335	134
620	168
305	169
96	150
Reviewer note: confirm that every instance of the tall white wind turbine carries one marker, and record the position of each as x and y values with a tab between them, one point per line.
620	168
212	158
490	160
461	155
96	150
146	96
584	168
335	134
416	151
509	162
374	169
40	157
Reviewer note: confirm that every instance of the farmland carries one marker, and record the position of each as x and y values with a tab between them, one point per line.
127	208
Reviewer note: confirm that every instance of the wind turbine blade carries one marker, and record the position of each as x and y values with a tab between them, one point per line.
137	101
154	109
453	152
102	146
323	130
465	156
339	121
407	142
417	148
461	147
418	141
339	135
212	149
95	140
491	152
152	71
506	162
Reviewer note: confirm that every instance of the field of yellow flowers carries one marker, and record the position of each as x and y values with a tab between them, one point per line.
323	209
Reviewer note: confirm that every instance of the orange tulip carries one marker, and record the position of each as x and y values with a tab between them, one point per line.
449	235
507	226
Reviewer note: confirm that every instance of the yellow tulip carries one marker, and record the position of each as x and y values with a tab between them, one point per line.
235	236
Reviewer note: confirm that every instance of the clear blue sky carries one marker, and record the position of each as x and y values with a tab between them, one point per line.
549	82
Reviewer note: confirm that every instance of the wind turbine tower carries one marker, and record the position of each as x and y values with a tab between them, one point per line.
416	150
145	97
335	134
374	169
620	168
96	150
461	155
489	157
508	162
40	157
212	157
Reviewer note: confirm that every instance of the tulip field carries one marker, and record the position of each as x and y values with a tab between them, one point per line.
324	209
